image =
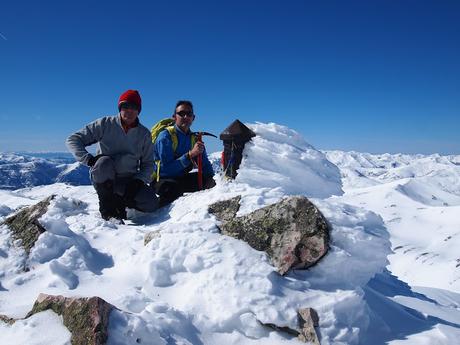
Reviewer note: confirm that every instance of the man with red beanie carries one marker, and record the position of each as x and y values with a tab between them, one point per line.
123	164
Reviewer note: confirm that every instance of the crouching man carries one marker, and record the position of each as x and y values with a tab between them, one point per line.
123	164
176	152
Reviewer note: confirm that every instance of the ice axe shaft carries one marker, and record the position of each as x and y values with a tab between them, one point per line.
199	138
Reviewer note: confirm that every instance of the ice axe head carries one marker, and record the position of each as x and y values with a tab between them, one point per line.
200	135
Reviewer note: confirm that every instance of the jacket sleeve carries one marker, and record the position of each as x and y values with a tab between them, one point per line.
146	162
169	166
88	135
207	166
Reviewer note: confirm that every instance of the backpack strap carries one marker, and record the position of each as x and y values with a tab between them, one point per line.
175	142
172	132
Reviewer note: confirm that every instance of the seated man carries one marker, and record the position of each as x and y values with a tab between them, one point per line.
176	152
124	161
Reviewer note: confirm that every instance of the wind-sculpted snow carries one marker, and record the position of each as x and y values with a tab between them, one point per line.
279	157
65	250
27	170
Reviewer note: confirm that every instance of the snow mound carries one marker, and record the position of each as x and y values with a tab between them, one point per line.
428	194
278	157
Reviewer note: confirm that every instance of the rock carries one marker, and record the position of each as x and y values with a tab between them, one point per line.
86	318
150	236
6	319
225	210
293	232
308	320
24	225
281	329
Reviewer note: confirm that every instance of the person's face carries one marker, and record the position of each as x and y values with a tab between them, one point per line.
184	117
129	113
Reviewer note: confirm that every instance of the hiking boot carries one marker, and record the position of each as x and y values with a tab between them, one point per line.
115	221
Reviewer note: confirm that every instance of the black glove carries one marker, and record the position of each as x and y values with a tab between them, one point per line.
92	160
132	188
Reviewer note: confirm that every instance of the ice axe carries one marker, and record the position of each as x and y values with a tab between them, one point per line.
199	138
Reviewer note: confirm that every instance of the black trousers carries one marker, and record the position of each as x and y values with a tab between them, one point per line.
169	189
111	191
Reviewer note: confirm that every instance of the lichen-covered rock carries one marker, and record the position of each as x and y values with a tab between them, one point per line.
225	210
25	226
86	318
293	232
308	320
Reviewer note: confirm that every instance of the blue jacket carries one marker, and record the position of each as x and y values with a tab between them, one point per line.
176	164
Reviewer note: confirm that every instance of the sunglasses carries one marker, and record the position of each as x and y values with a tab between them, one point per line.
184	113
128	105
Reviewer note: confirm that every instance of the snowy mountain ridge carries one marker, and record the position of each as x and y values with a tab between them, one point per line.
20	170
192	285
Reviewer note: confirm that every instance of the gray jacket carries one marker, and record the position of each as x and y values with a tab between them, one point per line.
131	152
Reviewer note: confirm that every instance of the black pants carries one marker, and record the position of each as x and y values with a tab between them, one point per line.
111	191
169	189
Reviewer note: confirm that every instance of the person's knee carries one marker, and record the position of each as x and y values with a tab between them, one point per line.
209	182
146	200
103	170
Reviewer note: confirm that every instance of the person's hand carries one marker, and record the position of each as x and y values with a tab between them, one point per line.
92	160
197	150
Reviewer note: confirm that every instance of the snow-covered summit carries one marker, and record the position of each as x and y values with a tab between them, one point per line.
192	285
279	157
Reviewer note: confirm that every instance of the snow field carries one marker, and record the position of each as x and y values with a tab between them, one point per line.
192	285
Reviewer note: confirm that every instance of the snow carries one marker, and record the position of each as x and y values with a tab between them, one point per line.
192	285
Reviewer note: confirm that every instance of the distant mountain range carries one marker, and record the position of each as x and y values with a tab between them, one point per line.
20	170
25	169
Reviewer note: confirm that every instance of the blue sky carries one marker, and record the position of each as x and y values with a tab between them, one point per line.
374	76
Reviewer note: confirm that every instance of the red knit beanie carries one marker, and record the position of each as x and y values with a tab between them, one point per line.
130	96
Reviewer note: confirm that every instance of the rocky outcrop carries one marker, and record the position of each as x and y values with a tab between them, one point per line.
225	210
86	318
25	226
308	319
293	232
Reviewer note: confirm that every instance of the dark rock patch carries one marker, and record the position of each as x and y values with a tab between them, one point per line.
25	226
225	210
293	232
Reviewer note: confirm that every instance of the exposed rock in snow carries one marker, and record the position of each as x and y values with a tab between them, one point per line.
6	319
226	210
24	225
86	318
293	232
308	320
